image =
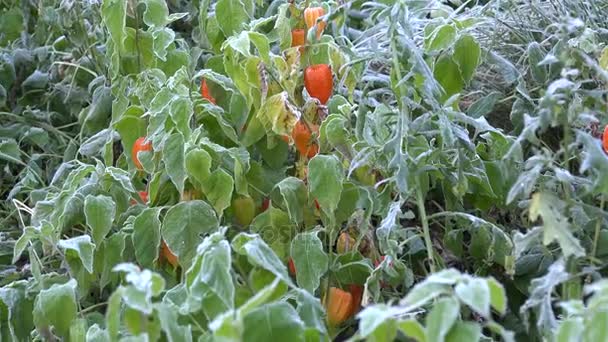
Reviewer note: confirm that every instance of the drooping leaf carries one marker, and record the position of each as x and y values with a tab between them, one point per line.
184	226
310	259
467	55
259	254
56	307
325	177
555	226
174	158
273	321
442	317
82	248
99	212
146	236
218	189
475	293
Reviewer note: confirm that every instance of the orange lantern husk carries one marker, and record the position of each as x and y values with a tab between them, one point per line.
339	306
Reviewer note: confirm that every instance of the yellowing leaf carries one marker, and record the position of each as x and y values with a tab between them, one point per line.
278	115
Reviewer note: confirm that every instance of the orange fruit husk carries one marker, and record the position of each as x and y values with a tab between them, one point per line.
605	139
357	292
205	93
298	38
140	145
339	306
292	267
345	243
318	81
311	15
302	137
143	195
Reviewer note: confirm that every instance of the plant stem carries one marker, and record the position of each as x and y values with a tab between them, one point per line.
425	226
598	225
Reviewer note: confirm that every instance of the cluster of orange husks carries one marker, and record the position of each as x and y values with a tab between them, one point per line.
318	81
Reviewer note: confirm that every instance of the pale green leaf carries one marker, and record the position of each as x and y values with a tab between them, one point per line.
184	226
56	307
82	247
146	236
441	318
325	177
99	212
310	259
174	158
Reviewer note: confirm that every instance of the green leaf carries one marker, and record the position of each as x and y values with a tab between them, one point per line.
535	56
113	249
168	317
99	113
82	247
555	226
78	329
174	159
255	131
9	151
274	321
29	233
441	318
440	38
99	212
96	334
498	297
156	13
146	236
293	192
464	331
113	313
185	224
412	329
310	260
467	55
20	306
277	114
95	145
259	254
424	292
475	293
262	44
595	327
198	165
447	73
571	330
310	310
181	111
218	190
211	273
231	16
229	326
352	268
374	316
276	229
56	307
114	13
143	286
484	105
325	177
11	24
